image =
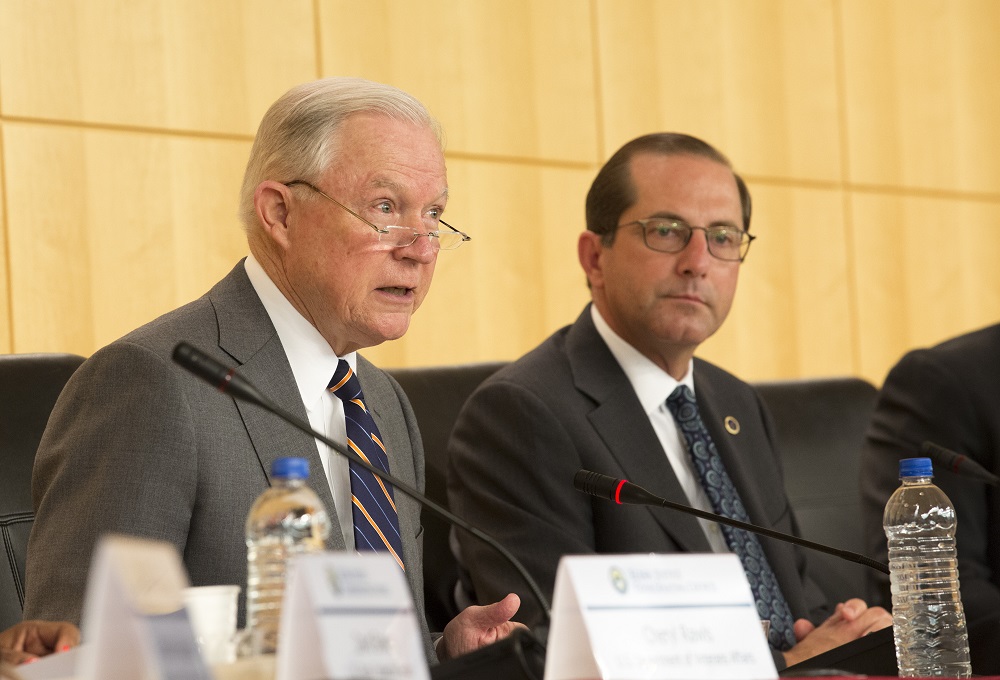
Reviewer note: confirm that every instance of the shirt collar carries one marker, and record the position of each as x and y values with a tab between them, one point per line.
312	359
651	383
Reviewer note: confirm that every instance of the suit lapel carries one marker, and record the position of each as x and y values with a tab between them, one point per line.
247	335
632	441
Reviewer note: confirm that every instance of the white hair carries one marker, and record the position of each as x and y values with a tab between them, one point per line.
297	138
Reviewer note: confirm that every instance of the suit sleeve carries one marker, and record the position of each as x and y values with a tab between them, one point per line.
923	399
118	456
511	470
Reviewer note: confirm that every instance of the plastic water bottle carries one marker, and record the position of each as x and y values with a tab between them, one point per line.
928	621
286	520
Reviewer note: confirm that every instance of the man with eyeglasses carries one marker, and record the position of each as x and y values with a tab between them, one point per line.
620	392
341	203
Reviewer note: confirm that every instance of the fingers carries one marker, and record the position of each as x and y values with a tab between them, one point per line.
15	657
851	609
861	618
851	620
498	613
801	628
874	618
38	638
66	636
12	638
478	626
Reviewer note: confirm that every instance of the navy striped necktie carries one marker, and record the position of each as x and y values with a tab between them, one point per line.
770	601
373	505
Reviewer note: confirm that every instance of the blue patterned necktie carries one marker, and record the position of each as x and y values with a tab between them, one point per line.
373	506
771	604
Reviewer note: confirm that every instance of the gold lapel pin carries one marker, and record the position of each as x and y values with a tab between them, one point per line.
732	425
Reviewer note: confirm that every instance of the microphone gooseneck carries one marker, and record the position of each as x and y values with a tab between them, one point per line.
958	463
226	380
622	491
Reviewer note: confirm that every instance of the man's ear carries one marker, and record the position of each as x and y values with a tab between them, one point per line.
270	201
589	248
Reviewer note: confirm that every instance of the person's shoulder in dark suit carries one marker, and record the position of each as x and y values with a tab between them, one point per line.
948	394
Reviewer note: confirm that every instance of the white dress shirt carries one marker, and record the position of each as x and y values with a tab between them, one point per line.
313	364
653	385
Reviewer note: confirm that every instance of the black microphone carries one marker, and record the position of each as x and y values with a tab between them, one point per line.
622	491
226	380
219	376
958	463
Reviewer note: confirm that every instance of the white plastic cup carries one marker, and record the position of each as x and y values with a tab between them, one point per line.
212	611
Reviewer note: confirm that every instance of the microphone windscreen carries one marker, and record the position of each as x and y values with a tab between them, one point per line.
957	463
218	375
596	484
202	365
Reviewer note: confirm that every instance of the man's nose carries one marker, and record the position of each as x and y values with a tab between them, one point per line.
423	249
694	259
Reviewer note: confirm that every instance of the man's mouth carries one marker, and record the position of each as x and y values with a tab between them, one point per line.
395	290
684	295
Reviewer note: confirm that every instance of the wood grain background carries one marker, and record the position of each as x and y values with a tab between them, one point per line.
867	130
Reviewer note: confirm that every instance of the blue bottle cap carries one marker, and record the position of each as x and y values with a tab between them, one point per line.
916	467
290	468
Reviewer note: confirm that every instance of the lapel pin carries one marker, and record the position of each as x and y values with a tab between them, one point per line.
732	425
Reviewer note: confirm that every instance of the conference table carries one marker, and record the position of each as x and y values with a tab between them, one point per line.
866	657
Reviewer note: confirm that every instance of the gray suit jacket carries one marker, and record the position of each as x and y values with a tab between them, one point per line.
567	405
137	445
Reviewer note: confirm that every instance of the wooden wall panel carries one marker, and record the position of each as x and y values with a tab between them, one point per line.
505	77
5	323
125	126
560	282
109	229
927	270
502	293
183	65
756	78
49	240
793	313
922	93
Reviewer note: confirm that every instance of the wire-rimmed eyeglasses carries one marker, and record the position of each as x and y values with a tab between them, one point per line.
400	237
672	236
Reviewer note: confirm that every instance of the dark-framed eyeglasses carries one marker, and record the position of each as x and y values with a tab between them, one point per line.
396	236
672	236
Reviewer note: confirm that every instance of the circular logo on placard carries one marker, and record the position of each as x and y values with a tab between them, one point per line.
618	580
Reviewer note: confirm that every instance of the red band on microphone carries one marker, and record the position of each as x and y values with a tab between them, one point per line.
618	490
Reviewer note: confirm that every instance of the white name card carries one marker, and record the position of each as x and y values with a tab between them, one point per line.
349	616
134	620
655	616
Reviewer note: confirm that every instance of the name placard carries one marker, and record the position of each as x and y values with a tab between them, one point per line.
134	620
655	616
349	616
